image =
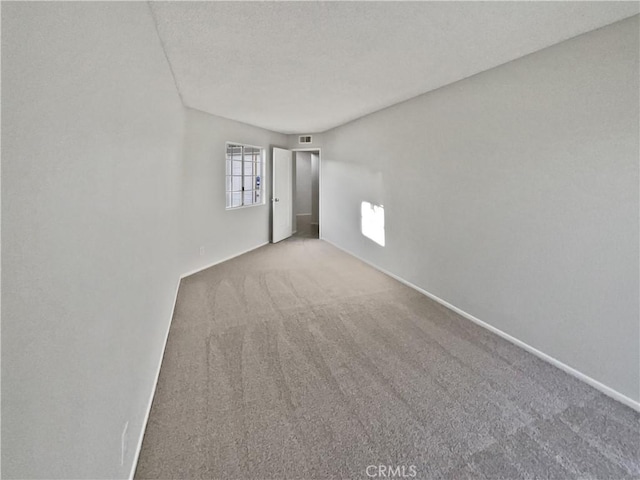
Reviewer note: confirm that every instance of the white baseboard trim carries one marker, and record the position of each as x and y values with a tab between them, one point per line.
199	269
164	347
153	392
548	358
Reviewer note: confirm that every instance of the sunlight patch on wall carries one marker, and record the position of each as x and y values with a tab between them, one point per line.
372	222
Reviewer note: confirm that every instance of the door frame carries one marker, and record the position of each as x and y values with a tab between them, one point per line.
319	150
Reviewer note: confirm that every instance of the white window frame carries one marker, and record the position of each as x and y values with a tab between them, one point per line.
229	173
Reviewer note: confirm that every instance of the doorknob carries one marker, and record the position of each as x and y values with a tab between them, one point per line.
276	199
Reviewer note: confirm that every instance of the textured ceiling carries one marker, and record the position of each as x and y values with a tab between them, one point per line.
298	67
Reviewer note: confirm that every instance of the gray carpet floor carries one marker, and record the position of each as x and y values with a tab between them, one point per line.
299	361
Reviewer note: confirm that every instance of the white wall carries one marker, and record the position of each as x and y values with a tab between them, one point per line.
91	133
205	222
513	195
110	188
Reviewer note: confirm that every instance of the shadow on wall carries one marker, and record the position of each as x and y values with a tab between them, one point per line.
372	222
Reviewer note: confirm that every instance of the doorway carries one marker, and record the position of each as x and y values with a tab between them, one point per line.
306	193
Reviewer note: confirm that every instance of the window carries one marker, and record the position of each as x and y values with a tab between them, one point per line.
245	172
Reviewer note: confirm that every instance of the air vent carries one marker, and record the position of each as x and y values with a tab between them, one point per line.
305	139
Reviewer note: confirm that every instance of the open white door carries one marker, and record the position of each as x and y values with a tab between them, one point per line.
282	196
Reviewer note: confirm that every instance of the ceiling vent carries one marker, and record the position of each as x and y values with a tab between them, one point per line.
305	139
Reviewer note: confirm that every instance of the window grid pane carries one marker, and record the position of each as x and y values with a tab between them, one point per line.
237	184
244	169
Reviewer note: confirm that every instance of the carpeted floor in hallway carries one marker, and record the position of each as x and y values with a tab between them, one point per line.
299	361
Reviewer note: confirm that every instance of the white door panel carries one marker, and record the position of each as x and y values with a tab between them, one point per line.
282	199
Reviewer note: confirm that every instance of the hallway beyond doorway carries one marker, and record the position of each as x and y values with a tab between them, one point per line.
306	198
